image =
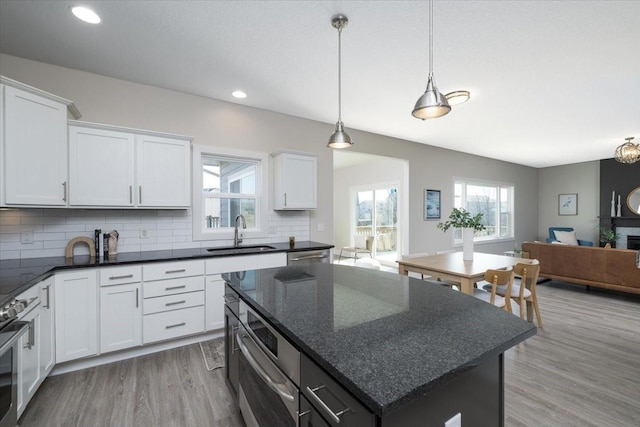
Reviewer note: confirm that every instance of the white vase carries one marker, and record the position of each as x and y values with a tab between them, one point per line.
467	243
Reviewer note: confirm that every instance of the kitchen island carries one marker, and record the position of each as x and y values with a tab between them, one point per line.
410	352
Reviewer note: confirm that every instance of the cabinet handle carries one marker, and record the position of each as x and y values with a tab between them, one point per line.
175	303
64	191
335	416
32	335
285	199
182	270
140	194
171	288
302	414
137	297
126	276
131	194
48	289
175	326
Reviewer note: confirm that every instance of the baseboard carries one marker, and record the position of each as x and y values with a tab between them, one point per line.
76	365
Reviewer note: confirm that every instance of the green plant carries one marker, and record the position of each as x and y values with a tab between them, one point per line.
461	218
607	235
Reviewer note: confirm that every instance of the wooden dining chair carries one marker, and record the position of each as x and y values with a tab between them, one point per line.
524	288
488	293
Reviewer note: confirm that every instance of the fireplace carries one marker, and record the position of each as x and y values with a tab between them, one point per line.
633	242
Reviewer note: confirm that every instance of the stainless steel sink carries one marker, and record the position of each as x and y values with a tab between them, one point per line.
231	250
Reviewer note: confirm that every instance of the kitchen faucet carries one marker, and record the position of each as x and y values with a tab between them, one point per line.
237	240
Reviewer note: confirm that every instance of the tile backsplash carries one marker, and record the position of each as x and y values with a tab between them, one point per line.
34	233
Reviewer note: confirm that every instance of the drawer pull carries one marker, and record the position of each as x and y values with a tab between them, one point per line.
182	270
172	288
126	276
175	326
175	303
335	416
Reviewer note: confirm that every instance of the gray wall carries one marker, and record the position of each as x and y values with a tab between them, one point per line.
580	178
435	168
216	123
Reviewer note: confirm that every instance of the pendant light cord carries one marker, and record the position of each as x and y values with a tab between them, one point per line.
430	38
340	74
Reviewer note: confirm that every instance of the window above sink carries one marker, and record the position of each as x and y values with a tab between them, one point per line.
228	183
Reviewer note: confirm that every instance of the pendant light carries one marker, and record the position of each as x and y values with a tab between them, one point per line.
339	138
432	104
628	152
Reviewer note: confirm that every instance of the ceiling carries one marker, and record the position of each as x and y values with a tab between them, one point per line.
552	82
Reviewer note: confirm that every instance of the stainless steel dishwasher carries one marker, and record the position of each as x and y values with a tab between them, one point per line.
309	257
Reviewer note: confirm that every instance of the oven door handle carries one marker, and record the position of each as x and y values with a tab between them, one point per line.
19	328
279	387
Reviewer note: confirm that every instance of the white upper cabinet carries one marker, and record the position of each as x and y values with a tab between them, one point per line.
111	166
163	172
101	167
294	181
34	140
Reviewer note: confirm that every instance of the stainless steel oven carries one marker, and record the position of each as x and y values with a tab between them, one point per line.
9	337
269	373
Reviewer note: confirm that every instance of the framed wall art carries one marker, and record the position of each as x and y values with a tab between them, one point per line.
431	204
568	204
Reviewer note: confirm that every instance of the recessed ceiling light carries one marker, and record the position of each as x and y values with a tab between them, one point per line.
239	94
85	14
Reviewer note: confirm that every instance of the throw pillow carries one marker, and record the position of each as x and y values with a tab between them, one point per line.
568	237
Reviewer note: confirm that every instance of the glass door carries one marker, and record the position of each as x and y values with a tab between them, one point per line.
376	217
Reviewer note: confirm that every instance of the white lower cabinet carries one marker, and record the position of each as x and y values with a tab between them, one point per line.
47	327
29	360
214	317
120	307
120	317
173	324
76	314
173	303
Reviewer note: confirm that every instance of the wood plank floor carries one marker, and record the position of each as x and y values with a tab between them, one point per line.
582	369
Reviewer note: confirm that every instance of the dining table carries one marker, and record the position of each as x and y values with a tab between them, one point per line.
452	267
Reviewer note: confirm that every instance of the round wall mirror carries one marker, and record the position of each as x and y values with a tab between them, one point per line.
633	201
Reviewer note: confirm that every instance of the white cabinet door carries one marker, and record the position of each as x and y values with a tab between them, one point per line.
47	331
163	172
29	360
35	149
76	315
294	181
101	167
214	296
120	317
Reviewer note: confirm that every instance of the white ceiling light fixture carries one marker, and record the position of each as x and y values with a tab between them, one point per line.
458	97
85	14
239	94
339	138
628	152
432	104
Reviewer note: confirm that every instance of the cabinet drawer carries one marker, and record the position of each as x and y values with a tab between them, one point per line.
173	302
170	270
172	324
245	262
316	385
163	288
29	295
119	275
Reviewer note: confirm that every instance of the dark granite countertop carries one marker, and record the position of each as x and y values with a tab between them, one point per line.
18	275
387	338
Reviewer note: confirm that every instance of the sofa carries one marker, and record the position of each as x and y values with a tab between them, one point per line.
587	265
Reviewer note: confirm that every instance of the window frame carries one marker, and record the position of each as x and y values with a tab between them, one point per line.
199	230
497	186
